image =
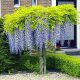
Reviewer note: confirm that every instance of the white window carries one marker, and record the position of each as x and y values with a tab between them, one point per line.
16	3
34	2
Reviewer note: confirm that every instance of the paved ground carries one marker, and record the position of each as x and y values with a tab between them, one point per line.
31	76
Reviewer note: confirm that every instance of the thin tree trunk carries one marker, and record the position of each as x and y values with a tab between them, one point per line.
42	58
41	61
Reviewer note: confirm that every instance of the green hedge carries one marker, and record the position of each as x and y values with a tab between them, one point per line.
62	62
13	63
27	62
4	49
65	63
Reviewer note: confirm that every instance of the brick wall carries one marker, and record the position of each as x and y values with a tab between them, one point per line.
44	2
7	6
26	2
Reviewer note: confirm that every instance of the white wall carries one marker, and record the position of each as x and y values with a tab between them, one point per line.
0	8
78	26
53	2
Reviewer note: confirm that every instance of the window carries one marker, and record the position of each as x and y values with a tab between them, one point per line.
65	2
60	2
34	2
16	3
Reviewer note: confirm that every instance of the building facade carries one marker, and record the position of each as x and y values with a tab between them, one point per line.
8	6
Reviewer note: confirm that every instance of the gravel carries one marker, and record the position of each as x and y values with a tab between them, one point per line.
33	76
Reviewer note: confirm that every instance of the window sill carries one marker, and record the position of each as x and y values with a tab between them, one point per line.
17	5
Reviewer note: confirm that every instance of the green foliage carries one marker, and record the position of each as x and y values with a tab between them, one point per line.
36	15
62	62
50	46
4	49
1	24
65	63
4	55
13	63
1	21
30	63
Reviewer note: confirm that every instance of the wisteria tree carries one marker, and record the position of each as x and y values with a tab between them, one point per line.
36	26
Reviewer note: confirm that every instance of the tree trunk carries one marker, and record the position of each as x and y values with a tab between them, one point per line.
42	58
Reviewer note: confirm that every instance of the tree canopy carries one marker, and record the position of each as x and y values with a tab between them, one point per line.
37	15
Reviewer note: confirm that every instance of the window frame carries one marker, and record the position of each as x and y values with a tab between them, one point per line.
17	5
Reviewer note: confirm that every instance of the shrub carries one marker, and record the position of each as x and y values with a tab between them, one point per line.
4	49
65	63
13	63
28	62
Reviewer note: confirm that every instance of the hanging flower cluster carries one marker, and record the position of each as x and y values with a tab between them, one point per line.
28	38
37	25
